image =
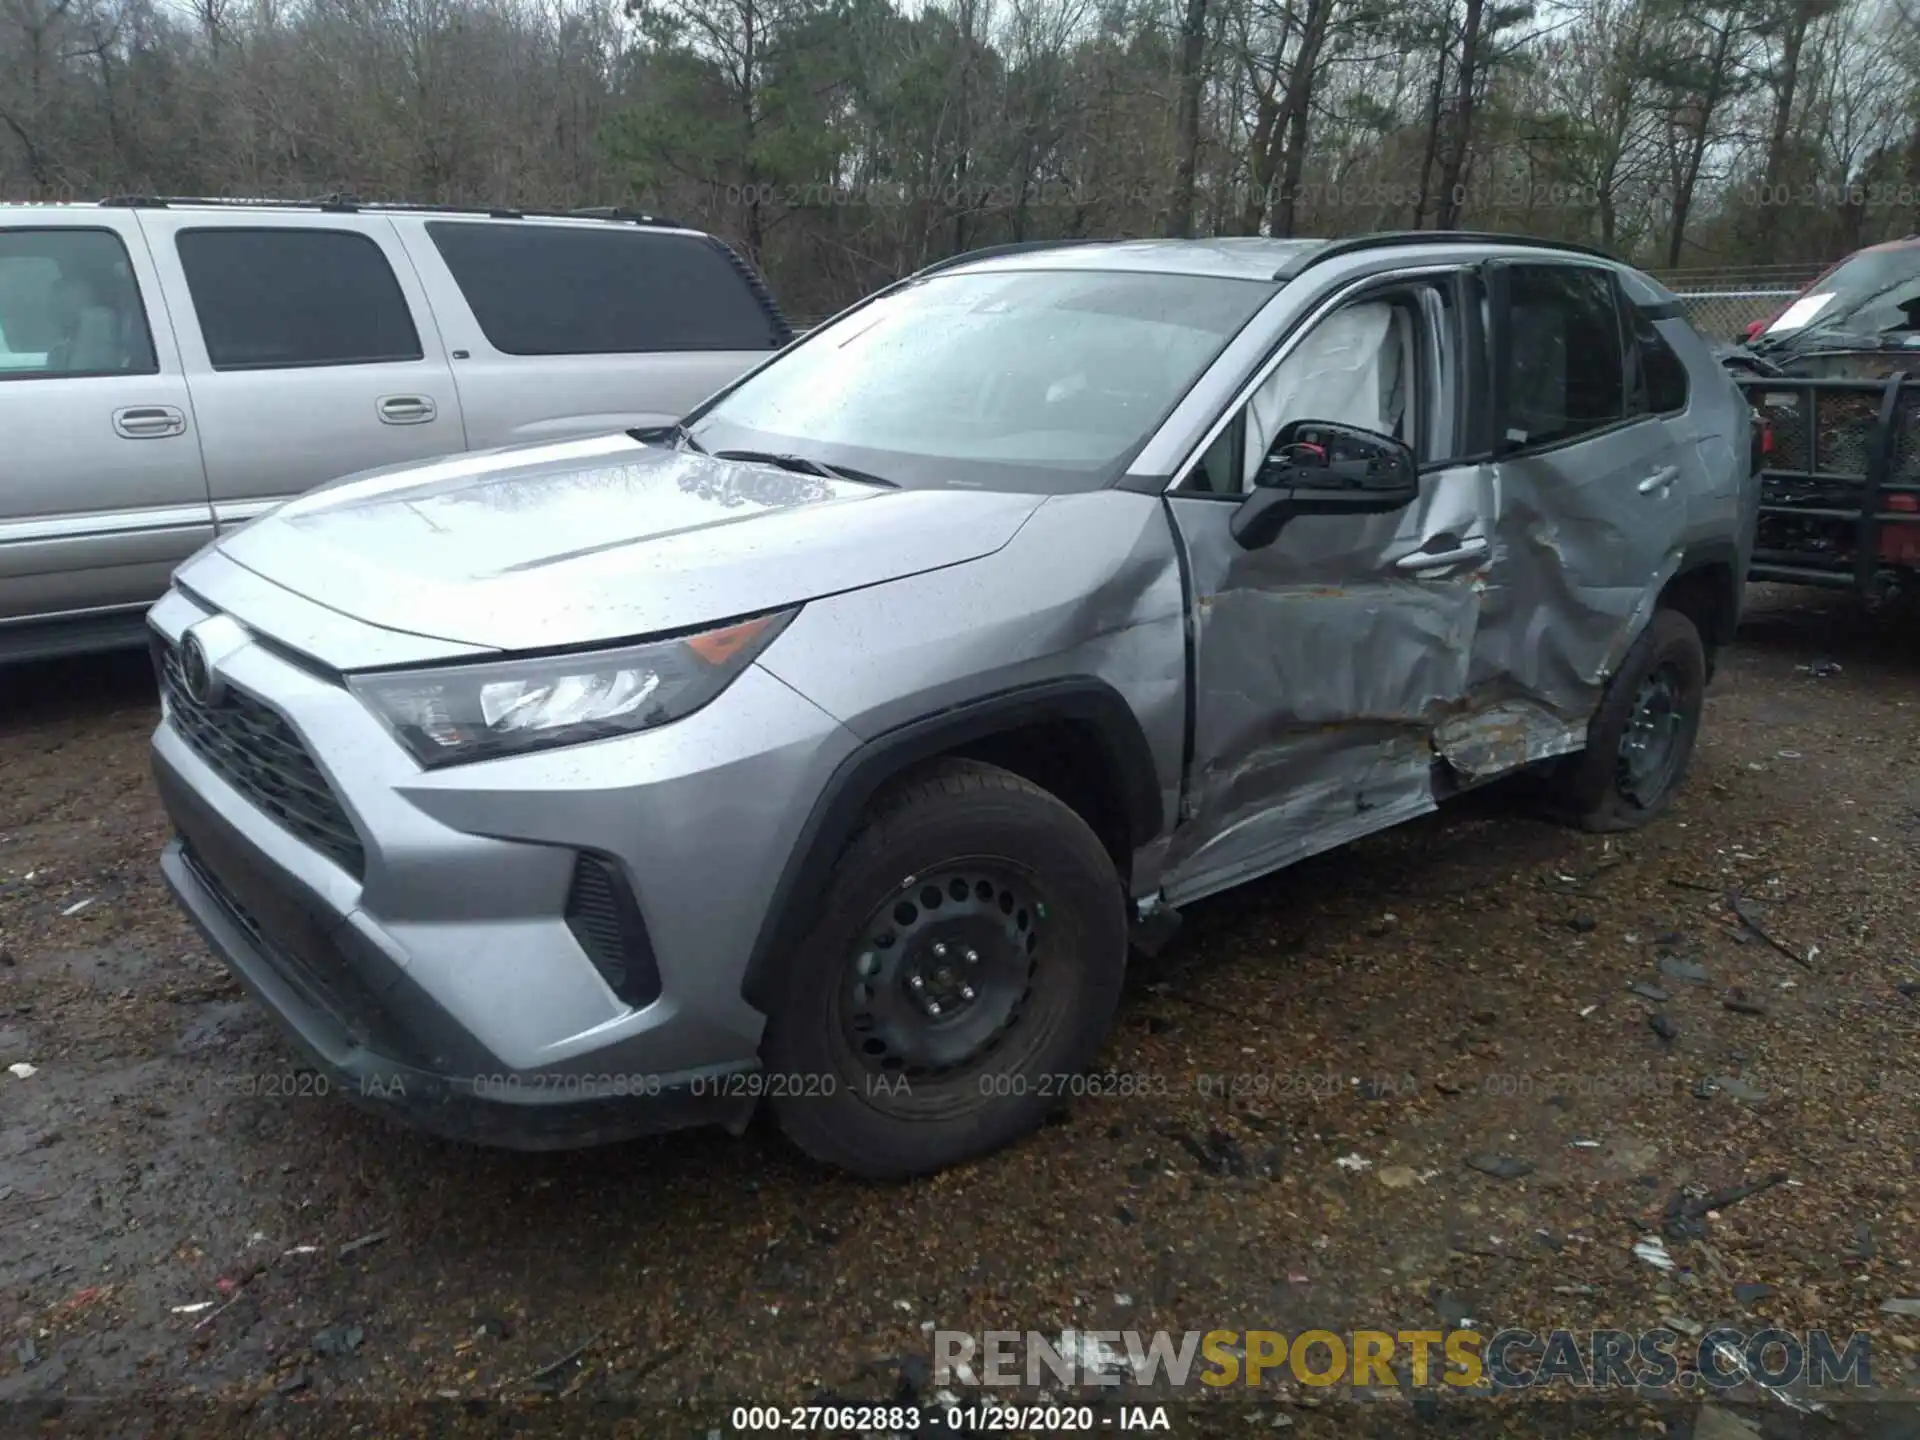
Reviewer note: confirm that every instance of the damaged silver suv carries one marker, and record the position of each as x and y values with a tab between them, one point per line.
829	748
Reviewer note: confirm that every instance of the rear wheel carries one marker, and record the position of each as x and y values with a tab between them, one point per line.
968	957
1642	735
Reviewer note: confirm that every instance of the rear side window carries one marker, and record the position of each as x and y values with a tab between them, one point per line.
282	299
69	306
565	290
1656	377
1565	373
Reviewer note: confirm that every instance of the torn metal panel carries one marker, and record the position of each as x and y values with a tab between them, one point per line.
1292	655
1316	791
1586	540
1488	742
1642	614
1320	665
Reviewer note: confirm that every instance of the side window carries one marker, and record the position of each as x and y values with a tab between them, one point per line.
286	299
1656	378
1565	372
600	290
69	306
1218	472
1362	365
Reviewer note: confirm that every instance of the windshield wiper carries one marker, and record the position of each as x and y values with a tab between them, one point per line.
653	434
1796	339
802	465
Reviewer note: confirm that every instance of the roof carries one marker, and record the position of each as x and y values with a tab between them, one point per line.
1236	257
1240	257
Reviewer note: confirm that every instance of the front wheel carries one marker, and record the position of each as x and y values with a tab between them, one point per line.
967	960
1641	736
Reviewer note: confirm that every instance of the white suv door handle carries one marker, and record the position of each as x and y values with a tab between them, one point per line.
1660	481
406	409
1475	549
149	422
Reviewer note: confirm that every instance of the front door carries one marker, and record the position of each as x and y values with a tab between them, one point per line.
101	487
309	350
1324	661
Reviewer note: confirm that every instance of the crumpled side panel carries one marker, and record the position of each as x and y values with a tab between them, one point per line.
1488	742
1316	790
1313	719
1319	676
1327	686
1571	586
1311	655
1580	557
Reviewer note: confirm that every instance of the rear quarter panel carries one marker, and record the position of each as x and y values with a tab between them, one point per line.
1723	505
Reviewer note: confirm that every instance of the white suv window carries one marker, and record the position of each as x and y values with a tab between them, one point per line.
611	290
293	298
69	306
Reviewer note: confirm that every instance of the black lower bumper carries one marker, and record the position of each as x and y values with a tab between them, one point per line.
379	1039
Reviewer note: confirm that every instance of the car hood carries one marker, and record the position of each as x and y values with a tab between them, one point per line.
603	539
1834	356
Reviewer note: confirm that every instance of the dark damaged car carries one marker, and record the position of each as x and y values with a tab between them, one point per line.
1836	376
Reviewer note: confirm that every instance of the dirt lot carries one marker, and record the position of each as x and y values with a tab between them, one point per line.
1320	1056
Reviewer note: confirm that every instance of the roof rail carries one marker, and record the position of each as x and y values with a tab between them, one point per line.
991	252
1353	244
617	212
342	203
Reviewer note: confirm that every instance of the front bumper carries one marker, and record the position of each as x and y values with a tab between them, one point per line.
347	1006
436	975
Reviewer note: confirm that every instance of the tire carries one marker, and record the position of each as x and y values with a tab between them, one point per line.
1600	789
863	1075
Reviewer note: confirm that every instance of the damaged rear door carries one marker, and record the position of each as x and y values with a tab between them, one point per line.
1322	662
1591	492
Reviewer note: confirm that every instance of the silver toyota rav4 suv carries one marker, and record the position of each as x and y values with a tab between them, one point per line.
830	747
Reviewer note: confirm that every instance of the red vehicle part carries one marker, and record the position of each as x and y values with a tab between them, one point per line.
1900	541
1758	326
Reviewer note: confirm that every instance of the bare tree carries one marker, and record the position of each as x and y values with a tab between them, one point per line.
841	142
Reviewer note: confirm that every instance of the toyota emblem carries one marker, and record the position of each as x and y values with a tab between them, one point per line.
196	673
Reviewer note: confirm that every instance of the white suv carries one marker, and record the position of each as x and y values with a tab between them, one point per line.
170	369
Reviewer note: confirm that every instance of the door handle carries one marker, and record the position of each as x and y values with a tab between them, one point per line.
149	422
1660	481
1475	549
406	409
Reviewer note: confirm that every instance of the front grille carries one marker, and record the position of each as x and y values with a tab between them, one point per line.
257	752
605	918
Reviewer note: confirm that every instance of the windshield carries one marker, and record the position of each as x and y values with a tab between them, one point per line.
1871	294
1045	380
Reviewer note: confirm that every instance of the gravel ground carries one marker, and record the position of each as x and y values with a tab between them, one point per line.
1317	1057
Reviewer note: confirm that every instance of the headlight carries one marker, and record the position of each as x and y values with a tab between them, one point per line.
456	713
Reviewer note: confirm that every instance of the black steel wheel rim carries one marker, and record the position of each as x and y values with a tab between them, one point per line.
1649	751
942	970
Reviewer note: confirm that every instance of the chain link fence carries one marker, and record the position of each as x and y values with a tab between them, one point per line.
1725	314
1723	302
